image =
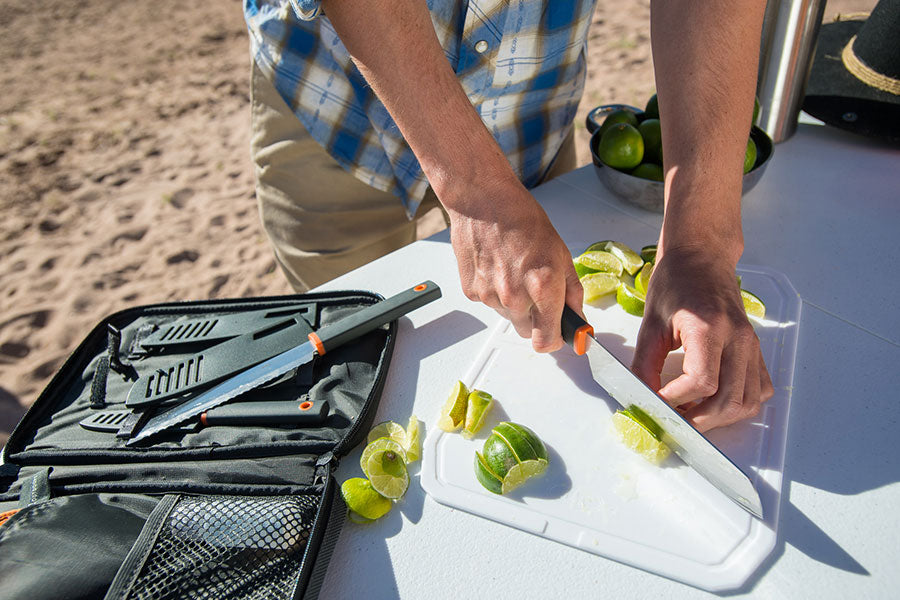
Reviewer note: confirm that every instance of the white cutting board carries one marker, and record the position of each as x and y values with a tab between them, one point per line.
597	495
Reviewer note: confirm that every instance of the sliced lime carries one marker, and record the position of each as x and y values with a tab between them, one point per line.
521	473
602	261
638	438
379	445
486	476
388	474
631	260
362	498
597	285
582	270
642	279
630	299
413	445
648	253
454	412
753	305
479	404
388	429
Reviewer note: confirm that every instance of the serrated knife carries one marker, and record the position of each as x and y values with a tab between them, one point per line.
688	443
326	338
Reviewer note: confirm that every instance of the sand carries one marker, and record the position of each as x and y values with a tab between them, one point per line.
125	176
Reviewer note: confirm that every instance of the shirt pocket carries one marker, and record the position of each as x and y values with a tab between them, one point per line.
542	44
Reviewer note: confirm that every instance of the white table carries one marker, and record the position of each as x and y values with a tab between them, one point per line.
827	214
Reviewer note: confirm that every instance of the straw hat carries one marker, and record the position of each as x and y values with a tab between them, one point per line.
854	83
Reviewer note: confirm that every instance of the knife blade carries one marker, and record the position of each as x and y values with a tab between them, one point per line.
628	390
328	337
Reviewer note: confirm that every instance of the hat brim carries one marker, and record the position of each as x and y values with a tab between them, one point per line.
837	97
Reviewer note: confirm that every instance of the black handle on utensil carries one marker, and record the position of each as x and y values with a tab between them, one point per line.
575	329
331	336
307	412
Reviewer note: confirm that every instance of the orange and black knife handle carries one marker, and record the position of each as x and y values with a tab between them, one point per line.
374	316
575	330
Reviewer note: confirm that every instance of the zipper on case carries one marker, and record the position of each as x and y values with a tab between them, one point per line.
325	465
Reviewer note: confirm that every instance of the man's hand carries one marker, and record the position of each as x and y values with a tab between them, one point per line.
694	302
512	259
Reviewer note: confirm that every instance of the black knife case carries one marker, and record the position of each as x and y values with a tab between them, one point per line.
236	510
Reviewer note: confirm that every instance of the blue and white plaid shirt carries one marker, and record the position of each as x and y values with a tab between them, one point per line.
521	62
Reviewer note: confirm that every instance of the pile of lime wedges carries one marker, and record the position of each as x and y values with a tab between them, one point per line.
609	267
465	410
631	142
389	449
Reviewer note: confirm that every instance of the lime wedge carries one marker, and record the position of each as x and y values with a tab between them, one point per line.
479	404
454	412
648	253
597	285
630	299
753	305
388	429
413	446
599	260
362	499
521	473
380	445
631	260
642	279
387	472
582	270
638	438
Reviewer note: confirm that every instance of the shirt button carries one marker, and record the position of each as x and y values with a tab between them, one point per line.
481	46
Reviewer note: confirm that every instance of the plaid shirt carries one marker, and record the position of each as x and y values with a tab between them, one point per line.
521	63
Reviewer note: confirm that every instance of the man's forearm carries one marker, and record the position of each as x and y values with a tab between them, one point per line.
394	45
705	56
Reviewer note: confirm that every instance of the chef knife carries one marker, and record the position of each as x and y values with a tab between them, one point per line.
688	443
326	338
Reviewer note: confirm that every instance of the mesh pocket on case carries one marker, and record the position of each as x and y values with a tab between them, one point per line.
219	547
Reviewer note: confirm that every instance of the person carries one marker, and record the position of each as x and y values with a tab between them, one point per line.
367	113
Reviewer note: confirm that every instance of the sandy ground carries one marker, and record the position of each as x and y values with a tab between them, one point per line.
125	177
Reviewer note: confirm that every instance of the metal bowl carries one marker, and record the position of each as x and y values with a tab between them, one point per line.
649	194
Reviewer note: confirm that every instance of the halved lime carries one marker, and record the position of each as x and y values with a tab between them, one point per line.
630	299
479	404
379	445
642	279
454	412
388	429
753	305
597	285
413	445
631	260
387	472
601	261
638	438
648	253
521	473
362	498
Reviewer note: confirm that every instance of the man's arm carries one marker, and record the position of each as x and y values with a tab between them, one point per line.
509	255
705	57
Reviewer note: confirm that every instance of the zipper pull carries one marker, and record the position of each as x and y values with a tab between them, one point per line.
324	465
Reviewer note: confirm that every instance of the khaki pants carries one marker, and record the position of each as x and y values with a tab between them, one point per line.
321	221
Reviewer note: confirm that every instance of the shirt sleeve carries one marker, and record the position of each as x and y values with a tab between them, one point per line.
307	10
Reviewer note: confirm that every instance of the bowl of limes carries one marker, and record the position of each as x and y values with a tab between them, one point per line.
626	149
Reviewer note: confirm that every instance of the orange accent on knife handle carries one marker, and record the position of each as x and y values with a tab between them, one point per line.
317	343
575	330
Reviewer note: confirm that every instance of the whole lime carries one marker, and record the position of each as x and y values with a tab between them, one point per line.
621	115
648	170
652	134
621	147
750	156
651	111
